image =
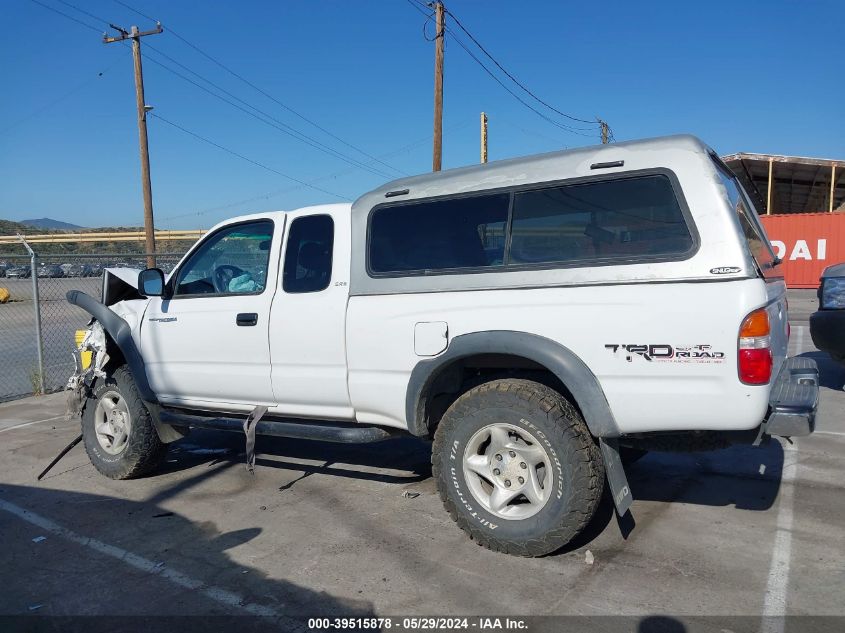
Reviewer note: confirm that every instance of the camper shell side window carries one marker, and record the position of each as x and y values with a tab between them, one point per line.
627	218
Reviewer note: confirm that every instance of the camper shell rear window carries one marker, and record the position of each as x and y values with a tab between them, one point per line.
749	220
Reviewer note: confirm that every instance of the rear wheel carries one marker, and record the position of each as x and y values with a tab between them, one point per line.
117	430
517	468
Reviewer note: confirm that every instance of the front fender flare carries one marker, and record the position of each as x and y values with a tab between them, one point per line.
120	332
560	360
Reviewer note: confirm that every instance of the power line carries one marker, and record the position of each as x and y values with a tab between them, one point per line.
69	17
244	158
263	117
516	126
189	132
53	102
264	92
420	7
423	9
270	194
514	95
281	126
83	11
511	77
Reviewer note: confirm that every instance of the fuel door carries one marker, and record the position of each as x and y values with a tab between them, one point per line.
431	337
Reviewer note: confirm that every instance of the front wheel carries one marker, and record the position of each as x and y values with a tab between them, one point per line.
117	430
516	467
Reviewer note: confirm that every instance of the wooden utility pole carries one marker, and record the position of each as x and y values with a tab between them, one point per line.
440	18
483	137
135	35
832	186
769	189
604	131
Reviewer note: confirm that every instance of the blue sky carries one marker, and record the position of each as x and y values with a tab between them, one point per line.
744	76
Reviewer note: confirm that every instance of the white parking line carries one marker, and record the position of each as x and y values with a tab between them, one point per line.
774	604
222	596
800	340
23	424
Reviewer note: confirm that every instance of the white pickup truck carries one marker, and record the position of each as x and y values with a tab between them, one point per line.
535	317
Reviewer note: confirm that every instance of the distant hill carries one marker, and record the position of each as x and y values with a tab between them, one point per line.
7	227
48	223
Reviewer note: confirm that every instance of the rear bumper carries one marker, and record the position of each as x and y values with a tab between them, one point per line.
827	327
794	399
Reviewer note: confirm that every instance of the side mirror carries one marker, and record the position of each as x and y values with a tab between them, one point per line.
151	282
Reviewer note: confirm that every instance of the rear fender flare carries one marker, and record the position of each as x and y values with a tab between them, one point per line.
561	361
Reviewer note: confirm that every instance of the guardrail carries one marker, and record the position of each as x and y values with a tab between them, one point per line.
117	236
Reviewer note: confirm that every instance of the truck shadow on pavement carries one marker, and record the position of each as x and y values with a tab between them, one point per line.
745	477
402	460
831	372
109	556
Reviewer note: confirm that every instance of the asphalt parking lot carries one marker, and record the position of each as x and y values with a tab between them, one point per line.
323	530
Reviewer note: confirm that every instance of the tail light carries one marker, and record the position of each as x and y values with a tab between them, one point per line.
755	352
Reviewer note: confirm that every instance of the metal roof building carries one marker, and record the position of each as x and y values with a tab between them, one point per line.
802	203
790	184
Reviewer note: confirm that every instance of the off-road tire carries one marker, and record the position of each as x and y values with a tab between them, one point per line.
545	414
143	452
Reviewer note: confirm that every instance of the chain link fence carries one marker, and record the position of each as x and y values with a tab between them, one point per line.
38	325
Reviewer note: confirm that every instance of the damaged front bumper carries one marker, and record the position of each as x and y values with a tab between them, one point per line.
794	399
90	358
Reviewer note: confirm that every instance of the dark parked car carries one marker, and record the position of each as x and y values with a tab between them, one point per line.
51	270
19	272
827	326
2	271
96	270
79	270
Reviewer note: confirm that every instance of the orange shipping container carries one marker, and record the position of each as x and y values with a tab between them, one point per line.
807	243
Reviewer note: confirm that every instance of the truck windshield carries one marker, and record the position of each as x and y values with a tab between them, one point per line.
752	228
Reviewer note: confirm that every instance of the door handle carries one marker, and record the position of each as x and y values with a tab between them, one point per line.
247	318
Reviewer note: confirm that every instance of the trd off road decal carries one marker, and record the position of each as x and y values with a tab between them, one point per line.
668	353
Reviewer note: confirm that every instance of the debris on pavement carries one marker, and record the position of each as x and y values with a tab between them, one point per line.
34	607
64	452
589	558
38	539
409	494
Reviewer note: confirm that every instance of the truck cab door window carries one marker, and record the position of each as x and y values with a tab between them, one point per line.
308	258
232	261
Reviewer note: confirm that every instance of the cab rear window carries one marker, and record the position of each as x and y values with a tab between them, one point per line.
439	235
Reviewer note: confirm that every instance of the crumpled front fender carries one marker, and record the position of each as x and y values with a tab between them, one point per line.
120	332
